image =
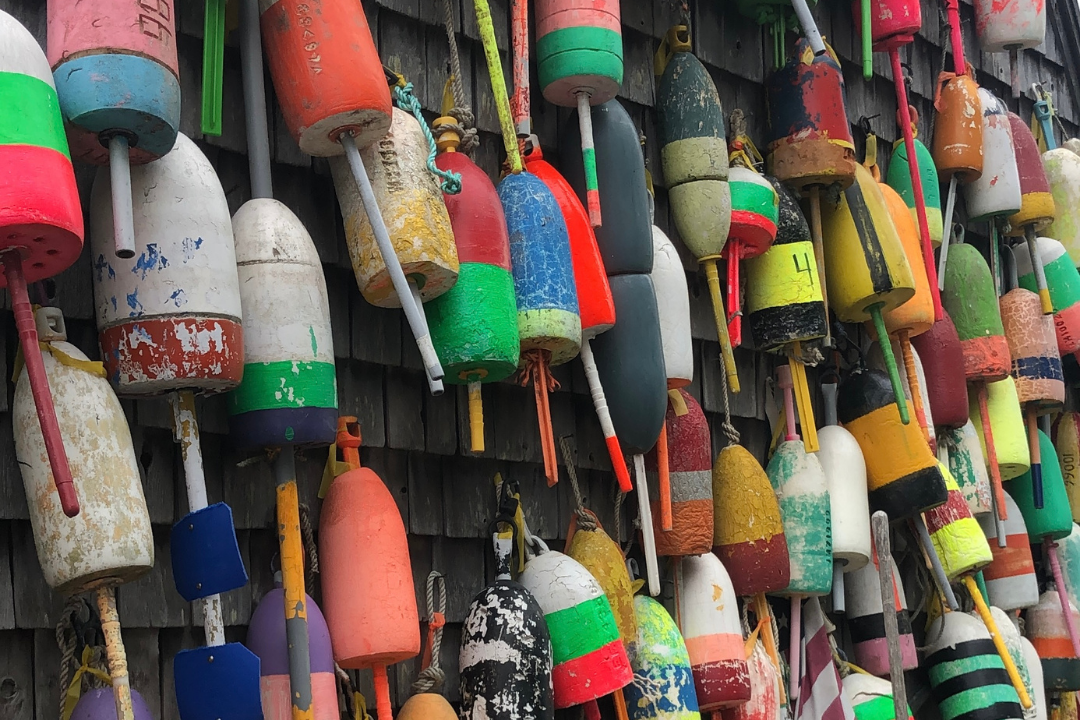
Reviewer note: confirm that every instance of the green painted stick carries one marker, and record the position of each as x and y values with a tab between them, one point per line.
890	361
213	66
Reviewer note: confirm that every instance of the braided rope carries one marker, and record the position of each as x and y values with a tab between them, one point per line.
67	641
307	536
585	521
462	113
431	678
403	95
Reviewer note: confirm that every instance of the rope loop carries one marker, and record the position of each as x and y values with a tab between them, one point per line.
403	96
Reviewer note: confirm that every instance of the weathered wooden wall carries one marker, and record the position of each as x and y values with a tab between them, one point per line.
416	442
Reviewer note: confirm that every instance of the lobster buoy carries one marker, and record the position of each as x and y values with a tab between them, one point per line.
1047	631
98	704
1069	554
708	615
266	638
1007	428
603	559
427	706
956	535
764	702
866	620
663	686
288	394
1063	283
589	658
1014	25
1013	642
958	143
505	656
1063	173
842	461
803	494
474	324
1036	365
916	315
1054	519
971	301
689	450
754	217
871	697
169	318
109	541
411	203
748	533
673	305
942	356
784	301
892	22
1036	202
361	534
1067	443
962	655
1037	682
899	179
921	400
902	474
996	192
968	467
1010	577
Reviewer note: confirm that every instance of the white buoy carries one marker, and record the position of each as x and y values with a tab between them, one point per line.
997	191
1010	578
673	303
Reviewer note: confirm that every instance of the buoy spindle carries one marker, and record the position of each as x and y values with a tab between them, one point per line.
952	8
783	373
809	26
867	43
794	647
991	452
802	399
733	253
664	479
1040	272
817	236
1036	460
414	311
596	390
120	172
39	382
476	418
540	382
1063	593
258	138
999	642
114	651
652	568
890	361
292	578
935	562
720	316
519	31
913	382
588	156
882	546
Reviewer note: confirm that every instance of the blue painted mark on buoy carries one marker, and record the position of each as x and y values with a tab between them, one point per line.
150	259
190	246
101	266
134	304
178	298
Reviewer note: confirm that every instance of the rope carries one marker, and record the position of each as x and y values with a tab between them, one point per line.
462	113
431	677
66	640
529	372
729	430
585	521
307	537
620	496
403	95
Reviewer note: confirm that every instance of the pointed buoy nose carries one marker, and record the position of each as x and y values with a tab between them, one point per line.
1063	171
958	140
1036	202
899	179
1007	428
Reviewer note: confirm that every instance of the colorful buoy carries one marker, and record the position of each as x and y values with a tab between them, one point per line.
1063	283
802	491
871	697
1006	420
996	192
959	541
754	217
1046	628
963	655
673	305
603	559
866	620
899	179
1010	578
942	356
1063	173
1037	209
663	685
968	467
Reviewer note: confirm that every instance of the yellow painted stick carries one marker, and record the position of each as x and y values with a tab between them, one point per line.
114	651
291	550
999	642
720	316
802	400
476	417
498	84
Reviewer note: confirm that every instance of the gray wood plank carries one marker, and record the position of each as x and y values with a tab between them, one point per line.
461	561
7	593
360	395
36	605
425	494
469	496
46	675
376	332
12	497
171	641
441	421
402	48
338	284
500	18
404	409
249	490
142	643
152	600
17	675
158	461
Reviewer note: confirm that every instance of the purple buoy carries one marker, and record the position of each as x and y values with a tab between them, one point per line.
99	705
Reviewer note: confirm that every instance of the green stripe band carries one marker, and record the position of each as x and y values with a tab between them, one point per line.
940	672
752	197
30	113
1061	278
975	699
581	629
579	51
879	708
589	156
286	384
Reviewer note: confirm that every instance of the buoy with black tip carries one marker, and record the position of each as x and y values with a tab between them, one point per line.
110	541
663	685
1063	283
867	272
970	299
707	611
1062	167
892	24
1010	27
361	534
1047	628
943	362
41	222
968	467
580	64
117	76
995	193
474	324
845	471
589	658
693	150
337	102
866	621
1010	577
810	146
802	491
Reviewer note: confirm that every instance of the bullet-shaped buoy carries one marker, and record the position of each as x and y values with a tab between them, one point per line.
963	655
1047	632
866	620
754	216
943	361
1063	173
1063	283
899	179
959	541
968	467
663	686
602	558
996	192
673	305
1007	428
1010	577
803	494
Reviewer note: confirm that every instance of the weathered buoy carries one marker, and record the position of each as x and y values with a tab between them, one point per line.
963	655
589	658
803	494
288	394
754	217
1063	173
117	78
708	615
748	534
957	147
1067	443
1063	283
601	557
1038	684
1036	202
764	702
1012	26
673	305
1007	428
361	534
693	149
866	620
1010	578
267	639
1010	635
959	541
996	192
899	179
1069	553
549	326
867	272
902	475
169	317
98	704
689	449
474	324
1047	631
968	467
663	685
580	63
871	697
943	362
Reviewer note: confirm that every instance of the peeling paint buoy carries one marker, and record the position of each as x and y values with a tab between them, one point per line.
871	697
1047	631
866	620
663	685
1010	577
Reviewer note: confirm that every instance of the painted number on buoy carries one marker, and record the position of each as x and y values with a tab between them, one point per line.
311	45
157	19
806	266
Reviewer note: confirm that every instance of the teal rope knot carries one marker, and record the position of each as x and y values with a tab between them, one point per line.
403	95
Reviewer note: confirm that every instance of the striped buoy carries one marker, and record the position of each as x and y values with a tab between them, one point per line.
754	216
764	702
997	191
589	659
1013	641
1063	282
689	450
748	534
1007	428
1010	577
899	179
288	394
957	537
972	302
866	621
962	657
1047	632
943	362
663	685
923	412
1063	172
968	467
1037	209
707	610
871	697
803	494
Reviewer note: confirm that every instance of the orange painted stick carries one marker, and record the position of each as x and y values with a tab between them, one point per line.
543	415
665	479
382	694
620	705
991	452
913	382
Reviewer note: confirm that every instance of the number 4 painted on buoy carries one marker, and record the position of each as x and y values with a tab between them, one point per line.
809	269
